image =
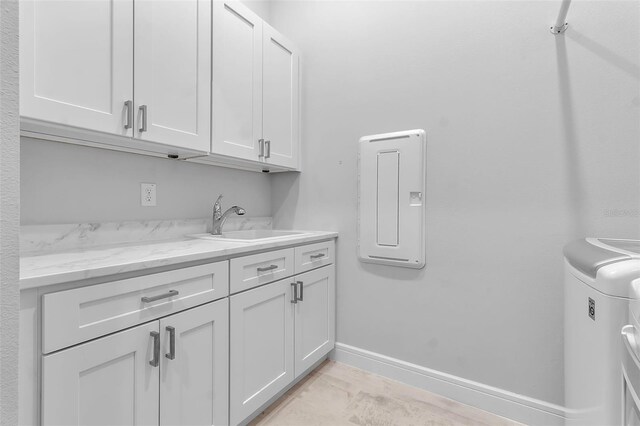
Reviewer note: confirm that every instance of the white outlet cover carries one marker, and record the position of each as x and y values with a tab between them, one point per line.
148	194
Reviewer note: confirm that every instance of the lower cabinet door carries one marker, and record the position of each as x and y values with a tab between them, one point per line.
315	317
261	347
108	381
194	370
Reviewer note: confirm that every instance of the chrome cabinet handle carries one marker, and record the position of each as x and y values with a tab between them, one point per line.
301	298
295	292
128	123
261	148
172	343
268	149
170	293
268	268
317	256
143	119
156	349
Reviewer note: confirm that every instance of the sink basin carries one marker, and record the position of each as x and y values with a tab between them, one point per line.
249	236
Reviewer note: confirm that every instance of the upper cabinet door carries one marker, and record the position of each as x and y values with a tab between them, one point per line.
76	63
280	99
107	381
194	375
173	72
237	81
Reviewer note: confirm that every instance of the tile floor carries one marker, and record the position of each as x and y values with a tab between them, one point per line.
336	394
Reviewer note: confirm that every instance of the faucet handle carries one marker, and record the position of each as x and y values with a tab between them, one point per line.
218	200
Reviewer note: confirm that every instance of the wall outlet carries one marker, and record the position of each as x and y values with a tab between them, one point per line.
148	194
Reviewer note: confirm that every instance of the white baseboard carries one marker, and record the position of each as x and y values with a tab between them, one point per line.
501	402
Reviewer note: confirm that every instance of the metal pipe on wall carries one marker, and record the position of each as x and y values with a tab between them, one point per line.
561	24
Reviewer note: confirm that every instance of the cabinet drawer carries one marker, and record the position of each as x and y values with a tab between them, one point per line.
313	256
251	271
73	316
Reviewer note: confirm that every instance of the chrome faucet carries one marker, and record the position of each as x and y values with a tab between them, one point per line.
219	218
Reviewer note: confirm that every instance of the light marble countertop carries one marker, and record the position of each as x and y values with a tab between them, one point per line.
94	262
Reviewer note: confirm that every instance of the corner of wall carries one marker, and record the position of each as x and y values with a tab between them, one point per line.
9	212
262	8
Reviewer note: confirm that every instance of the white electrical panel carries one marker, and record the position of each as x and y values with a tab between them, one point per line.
391	210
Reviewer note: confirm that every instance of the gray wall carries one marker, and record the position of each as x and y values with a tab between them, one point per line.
63	183
532	142
9	213
262	8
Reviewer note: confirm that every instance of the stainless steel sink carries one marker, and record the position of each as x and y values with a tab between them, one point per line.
249	236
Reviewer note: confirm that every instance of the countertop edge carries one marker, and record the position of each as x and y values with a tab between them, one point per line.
241	249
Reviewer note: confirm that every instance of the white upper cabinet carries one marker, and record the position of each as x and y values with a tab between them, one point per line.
237	80
280	99
173	72
255	89
76	63
181	78
77	70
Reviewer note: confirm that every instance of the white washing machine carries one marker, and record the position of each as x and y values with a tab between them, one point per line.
631	361
598	276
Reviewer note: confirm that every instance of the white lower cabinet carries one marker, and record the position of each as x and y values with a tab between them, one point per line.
314	317
107	381
141	376
277	332
173	348
261	346
194	376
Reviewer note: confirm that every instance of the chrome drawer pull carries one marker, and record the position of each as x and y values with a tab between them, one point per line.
301	298
268	149
317	256
295	292
128	124
147	299
156	349
172	343
268	268
143	121
261	148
